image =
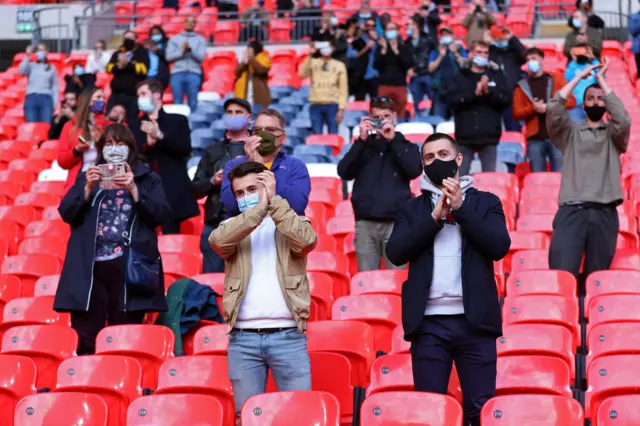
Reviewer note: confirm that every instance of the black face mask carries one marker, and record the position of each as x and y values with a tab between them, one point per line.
439	170
595	112
582	59
128	44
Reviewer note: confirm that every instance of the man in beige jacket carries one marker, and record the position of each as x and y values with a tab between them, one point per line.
477	21
266	296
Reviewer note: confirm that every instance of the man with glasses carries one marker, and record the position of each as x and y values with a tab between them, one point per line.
263	146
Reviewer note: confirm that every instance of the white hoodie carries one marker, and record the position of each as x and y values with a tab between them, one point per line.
445	295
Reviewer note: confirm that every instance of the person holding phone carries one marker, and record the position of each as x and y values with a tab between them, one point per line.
65	114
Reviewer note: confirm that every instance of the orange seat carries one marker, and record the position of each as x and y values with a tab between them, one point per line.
29	268
321	289
149	344
378	282
401	408
617	338
612	308
46	286
610	376
116	379
561	283
382	311
521	410
48	409
33	132
47	228
52	245
181	265
334	264
17	380
533	374
46	345
175	410
49	187
179	243
528	260
334	141
278	409
620	410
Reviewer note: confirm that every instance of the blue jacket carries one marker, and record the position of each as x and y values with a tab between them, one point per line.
572	69
485	239
292	183
634	30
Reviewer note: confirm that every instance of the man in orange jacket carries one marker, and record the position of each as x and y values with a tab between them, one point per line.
530	99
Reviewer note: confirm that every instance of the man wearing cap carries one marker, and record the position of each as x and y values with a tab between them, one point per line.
207	181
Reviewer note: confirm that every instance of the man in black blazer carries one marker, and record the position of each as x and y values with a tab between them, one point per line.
165	140
450	236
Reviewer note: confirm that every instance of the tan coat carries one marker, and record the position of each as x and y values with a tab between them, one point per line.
257	69
476	24
295	238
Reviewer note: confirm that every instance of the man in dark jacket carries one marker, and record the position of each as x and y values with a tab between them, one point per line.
478	95
508	52
421	46
208	179
431	16
383	164
364	79
450	236
129	66
165	140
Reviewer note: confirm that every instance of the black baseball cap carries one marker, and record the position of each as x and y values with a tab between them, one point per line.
243	103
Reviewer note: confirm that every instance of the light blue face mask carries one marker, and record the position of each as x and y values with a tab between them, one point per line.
577	23
391	34
446	40
235	122
79	70
145	104
248	201
409	32
501	44
534	66
157	38
480	61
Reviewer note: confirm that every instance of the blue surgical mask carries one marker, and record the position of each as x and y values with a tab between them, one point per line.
409	32
235	122
446	40
391	34
79	70
577	23
41	55
145	104
334	21
501	44
248	201
534	66
157	38
364	15
480	61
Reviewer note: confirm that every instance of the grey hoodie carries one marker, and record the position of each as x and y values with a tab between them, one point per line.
42	78
186	61
445	295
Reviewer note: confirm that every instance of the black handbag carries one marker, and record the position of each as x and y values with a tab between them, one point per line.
142	274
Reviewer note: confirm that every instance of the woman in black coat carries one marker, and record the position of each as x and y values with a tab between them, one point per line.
108	228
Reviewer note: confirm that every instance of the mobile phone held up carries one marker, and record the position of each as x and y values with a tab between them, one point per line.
376	123
107	172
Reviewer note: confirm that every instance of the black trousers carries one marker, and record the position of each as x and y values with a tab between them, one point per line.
170	226
579	230
445	339
637	55
107	295
366	87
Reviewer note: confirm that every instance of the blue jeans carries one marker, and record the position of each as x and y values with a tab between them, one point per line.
251	355
538	151
510	124
419	88
211	261
186	83
439	107
321	115
38	108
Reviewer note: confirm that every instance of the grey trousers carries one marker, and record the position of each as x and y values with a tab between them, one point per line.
488	158
371	242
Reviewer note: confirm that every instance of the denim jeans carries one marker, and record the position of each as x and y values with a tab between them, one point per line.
439	107
251	355
38	108
538	151
419	88
510	124
186	83
321	115
211	261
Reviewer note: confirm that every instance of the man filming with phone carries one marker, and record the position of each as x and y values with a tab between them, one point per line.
383	164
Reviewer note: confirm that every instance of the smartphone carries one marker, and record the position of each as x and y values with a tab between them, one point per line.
107	172
82	140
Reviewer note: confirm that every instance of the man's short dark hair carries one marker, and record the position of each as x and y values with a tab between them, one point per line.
477	43
418	20
593	86
382	102
534	51
237	101
270	112
154	86
439	136
246	168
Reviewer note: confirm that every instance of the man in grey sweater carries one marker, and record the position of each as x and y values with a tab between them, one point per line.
42	85
186	51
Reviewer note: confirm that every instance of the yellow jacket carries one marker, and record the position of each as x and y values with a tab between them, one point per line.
328	81
258	69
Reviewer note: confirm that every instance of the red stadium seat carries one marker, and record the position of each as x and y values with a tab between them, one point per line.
39	200
21	215
617	338
530	260
401	408
378	282
9	191
533	374
398	344
339	227
612	308
326	182
32	311
22	177
47	228
181	265
612	48
179	243
626	259
391	373
46	345
549	193
17	380
51	213
496	178
29	167
48	409
545	179
334	264
381	311
49	187
334	141
213	280
525	240
610	376
536	223
149	344
175	410
561	283
211	340
116	379
278	409
46	286
536	206
33	132
29	268
620	410
521	410
10	232
54	246
321	288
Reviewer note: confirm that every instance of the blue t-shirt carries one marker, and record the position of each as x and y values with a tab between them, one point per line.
113	216
572	69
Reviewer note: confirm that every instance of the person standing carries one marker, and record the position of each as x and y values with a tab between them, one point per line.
581	33
586	223
98	58
451	235
478	20
364	79
266	310
382	164
252	77
42	85
421	46
593	20
445	62
431	19
157	47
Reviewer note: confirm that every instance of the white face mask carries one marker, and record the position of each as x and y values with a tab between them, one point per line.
115	153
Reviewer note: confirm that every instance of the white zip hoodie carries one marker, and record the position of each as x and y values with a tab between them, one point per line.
445	295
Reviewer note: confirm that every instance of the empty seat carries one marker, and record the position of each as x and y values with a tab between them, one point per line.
525	240
321	289
609	376
410	408
560	283
10	288
331	372
382	282
617	338
278	409
612	308
17	380
179	243
49	409
622	410
611	282
52	245
391	373
46	286
182	265
32	310
626	258
533	374
175	410
211	340
334	264
398	344
42	228
29	268
527	260
521	410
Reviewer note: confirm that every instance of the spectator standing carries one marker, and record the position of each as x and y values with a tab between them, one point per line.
478	95
165	140
98	58
292	176
508	52
129	65
365	77
634	30
444	63
393	61
530	100
450	236
64	115
365	13
252	75
580	33
254	21
186	51
308	19
158	65
582	58
593	20
477	21
227	9
79	80
267	309
207	181
108	227
42	85
431	19
326	31
586	223
329	88
421	46
382	164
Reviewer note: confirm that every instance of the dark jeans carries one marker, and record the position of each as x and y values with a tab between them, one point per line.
439	107
107	295
488	157
170	226
211	261
366	87
38	108
419	88
445	339
130	102
510	124
538	151
322	114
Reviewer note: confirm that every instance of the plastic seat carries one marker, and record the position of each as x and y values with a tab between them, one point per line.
339	227
29	268
9	191
48	409
610	376
149	344
179	243
398	344
410	408
116	379
10	288
51	245
382	311
496	178
528	260
536	206
17	380
215	280
378	282
533	374
33	132
30	167
621	410
51	213
321	289
46	345
536	223
617	338
10	232
525	240
626	258
21	215
331	183
46	286
521	410
32	310
47	228
334	264
545	192
182	265
278	409
175	410
542	179
612	308
561	283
